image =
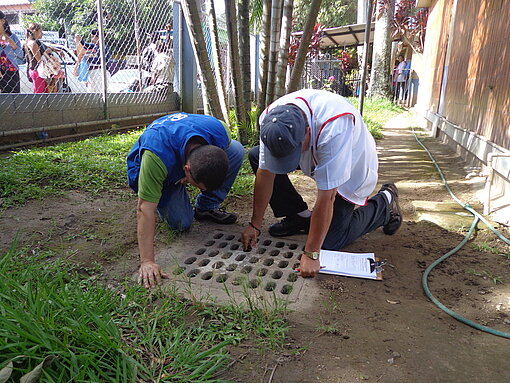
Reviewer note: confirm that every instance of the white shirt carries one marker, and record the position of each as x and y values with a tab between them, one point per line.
342	152
163	68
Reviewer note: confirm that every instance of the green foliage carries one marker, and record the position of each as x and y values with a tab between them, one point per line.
104	334
376	112
249	127
333	13
93	165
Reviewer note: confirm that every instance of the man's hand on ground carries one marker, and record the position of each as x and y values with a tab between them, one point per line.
308	267
249	238
150	274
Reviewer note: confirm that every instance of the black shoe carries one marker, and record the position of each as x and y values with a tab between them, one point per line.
216	215
289	226
395	220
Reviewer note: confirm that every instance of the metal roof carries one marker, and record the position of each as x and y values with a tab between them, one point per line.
348	35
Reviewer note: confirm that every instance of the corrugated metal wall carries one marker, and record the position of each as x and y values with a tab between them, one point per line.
477	85
430	70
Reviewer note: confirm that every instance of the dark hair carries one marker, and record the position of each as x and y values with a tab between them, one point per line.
208	165
6	24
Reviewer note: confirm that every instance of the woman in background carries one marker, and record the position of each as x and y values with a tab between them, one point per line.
35	50
11	56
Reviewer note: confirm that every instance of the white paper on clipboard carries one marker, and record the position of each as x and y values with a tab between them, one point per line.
360	265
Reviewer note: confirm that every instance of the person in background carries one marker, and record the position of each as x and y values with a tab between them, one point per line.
162	70
35	50
81	68
95	74
325	136
149	52
11	56
400	77
173	151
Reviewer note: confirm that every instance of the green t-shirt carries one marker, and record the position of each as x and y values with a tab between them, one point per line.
152	176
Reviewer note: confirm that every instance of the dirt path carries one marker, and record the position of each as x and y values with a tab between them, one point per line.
355	330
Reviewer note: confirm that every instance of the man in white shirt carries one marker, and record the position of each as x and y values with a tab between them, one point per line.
324	135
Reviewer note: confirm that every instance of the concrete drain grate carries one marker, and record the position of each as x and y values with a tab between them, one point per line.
221	262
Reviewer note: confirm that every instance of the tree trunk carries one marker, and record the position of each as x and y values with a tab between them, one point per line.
380	75
192	16
231	16
299	64
264	55
244	42
276	18
220	84
281	73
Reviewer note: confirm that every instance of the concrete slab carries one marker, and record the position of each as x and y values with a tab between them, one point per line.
218	268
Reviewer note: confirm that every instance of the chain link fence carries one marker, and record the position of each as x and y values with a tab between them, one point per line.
327	74
70	65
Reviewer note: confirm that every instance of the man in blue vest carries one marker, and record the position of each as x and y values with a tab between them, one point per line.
173	151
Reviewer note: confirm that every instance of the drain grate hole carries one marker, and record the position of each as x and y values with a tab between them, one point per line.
268	262
209	243
277	274
218	236
279	244
292	278
190	260
299	257
222	278
218	265
200	251
207	276
286	289
261	250
267	242
274	253
254	283
238	280
221	245
295	266
204	262
232	267
270	286
240	257
235	246
178	270
261	272
227	255
193	273
254	260
246	269
230	237
288	254
293	246
283	264
213	253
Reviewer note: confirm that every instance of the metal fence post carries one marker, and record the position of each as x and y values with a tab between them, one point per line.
100	28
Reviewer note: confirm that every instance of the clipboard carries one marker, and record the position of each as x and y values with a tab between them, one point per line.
358	265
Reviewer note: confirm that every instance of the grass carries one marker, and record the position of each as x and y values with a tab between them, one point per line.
376	112
86	331
92	165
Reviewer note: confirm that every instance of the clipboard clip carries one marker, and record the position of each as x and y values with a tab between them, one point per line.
376	265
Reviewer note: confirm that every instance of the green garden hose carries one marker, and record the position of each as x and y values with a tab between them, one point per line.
477	218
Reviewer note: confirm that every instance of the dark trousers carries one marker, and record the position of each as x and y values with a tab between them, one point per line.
348	223
10	82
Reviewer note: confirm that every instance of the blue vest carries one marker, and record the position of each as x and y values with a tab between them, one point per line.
167	138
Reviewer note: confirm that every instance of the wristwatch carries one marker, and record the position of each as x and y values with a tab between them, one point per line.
312	254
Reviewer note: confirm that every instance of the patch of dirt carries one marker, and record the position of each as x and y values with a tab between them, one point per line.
357	330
